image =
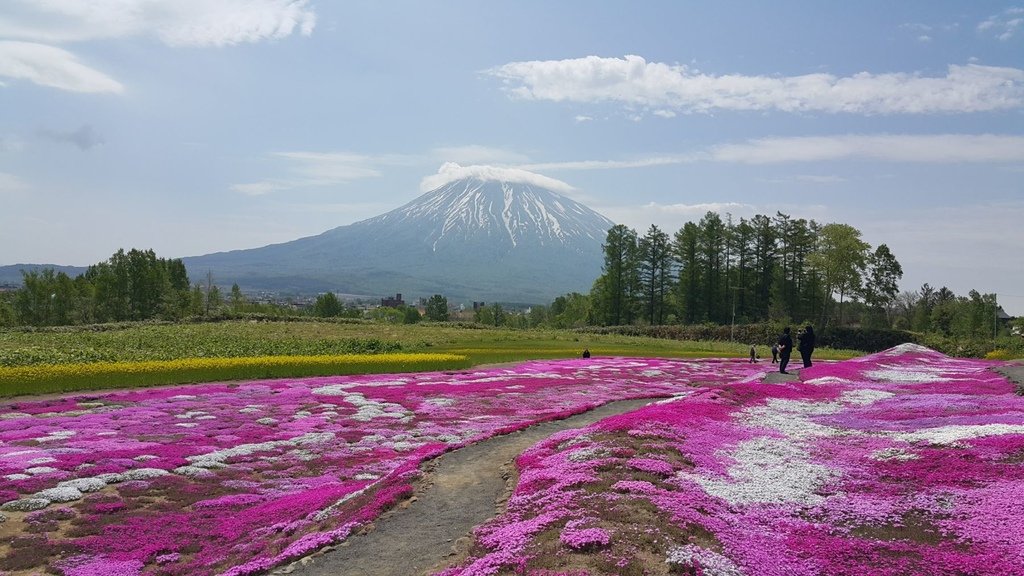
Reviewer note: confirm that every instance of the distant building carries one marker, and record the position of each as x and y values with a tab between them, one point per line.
478	305
390	302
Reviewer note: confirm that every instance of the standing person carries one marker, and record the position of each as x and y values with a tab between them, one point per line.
753	354
775	353
785	349
806	345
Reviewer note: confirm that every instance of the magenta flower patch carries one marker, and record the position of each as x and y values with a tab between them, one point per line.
235	479
903	462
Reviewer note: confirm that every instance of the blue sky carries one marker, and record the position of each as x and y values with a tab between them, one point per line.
190	126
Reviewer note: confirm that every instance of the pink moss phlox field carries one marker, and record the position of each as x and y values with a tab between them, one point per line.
901	462
237	478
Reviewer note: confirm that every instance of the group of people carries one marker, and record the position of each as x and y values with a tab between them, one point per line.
782	349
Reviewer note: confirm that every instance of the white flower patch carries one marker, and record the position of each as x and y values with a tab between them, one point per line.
84	484
37	470
190	414
366	476
17	453
301	414
586	454
25	505
268	421
41	460
107	433
206	417
711	563
824	380
905	376
370	409
767	470
217	458
59	494
441	401
908	348
187	424
193	472
14	415
144	473
864	396
251	409
652	372
145	457
332	390
946	435
57	435
893	454
180	397
15	477
792	418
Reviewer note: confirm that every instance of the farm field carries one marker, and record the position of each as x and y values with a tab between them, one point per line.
241	338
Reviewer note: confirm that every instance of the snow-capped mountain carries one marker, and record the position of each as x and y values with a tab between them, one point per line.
473	238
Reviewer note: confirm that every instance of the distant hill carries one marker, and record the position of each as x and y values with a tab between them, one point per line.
470	239
11	275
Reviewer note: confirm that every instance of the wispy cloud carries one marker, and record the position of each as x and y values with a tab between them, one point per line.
450	172
84	138
948	148
173	22
477	154
314	169
1004	25
632	81
53	67
944	148
11	183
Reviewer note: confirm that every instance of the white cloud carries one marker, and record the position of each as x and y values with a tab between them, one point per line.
312	169
1004	25
477	154
10	184
174	22
450	172
632	81
672	217
581	118
945	148
52	67
924	38
611	164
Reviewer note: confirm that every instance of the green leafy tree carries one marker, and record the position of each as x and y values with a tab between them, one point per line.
840	259
614	297
882	282
689	291
656	274
437	308
327	306
237	298
411	315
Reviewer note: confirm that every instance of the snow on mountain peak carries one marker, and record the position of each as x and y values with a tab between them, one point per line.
450	172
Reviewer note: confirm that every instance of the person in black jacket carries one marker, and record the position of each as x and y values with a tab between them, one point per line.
785	349
806	346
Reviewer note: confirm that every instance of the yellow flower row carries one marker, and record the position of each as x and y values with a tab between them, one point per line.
347	363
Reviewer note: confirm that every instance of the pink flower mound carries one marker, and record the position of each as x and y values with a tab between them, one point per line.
902	462
235	479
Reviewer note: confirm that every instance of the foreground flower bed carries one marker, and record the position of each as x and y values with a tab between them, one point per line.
903	462
236	478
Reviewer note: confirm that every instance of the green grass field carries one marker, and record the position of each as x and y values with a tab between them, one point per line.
243	339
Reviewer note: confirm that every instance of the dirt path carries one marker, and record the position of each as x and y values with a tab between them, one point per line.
463	489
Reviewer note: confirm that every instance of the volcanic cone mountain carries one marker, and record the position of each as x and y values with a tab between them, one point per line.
470	239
